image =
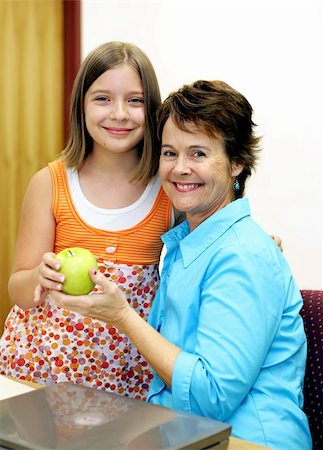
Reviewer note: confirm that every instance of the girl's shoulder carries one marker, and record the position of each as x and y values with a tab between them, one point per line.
57	166
41	179
39	191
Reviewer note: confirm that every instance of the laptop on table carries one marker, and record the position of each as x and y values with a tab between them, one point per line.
68	416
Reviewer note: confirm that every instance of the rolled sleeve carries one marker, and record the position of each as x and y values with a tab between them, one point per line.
181	380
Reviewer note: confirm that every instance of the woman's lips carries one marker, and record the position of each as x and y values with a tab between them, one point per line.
186	187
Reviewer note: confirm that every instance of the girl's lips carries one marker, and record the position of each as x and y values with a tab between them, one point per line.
186	187
118	131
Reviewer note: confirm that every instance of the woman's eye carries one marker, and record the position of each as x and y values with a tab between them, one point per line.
199	154
168	154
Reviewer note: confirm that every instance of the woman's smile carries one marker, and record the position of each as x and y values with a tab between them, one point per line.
187	187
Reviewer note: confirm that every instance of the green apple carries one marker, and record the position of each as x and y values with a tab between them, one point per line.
75	264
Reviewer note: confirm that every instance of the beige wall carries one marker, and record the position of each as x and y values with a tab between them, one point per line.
272	52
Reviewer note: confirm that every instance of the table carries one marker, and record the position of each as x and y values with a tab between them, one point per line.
234	443
240	444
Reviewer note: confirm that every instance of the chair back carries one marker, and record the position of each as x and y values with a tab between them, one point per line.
312	313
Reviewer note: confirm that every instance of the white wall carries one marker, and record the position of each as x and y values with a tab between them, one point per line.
272	52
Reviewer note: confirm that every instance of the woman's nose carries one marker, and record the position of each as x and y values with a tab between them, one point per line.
181	166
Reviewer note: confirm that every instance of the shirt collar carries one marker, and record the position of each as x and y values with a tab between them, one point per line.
193	244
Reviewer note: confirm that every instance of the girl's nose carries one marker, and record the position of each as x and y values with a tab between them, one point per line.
119	111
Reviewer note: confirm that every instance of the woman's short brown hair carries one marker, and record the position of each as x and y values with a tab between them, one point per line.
101	59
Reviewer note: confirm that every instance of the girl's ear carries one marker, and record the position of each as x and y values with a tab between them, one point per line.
236	169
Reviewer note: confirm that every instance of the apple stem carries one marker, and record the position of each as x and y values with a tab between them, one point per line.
71	254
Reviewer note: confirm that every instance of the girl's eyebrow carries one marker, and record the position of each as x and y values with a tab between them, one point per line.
107	91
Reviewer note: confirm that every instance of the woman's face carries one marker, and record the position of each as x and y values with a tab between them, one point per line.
196	172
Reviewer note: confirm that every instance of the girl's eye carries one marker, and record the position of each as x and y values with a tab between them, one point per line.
101	99
136	100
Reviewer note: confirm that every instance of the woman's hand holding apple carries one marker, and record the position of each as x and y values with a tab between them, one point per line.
110	306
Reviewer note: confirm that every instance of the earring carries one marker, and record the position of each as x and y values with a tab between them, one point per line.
236	185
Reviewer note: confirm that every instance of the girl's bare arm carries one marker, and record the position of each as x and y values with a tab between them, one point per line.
36	236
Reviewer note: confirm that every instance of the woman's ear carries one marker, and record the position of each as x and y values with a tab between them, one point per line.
236	169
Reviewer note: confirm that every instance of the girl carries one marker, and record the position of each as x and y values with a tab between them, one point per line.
101	194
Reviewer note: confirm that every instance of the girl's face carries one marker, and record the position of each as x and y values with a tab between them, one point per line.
114	110
196	172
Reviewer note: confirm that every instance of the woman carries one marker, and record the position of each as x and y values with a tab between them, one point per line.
225	338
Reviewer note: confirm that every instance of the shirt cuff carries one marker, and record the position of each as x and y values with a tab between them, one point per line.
181	380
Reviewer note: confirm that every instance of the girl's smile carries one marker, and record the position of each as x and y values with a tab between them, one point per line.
118	131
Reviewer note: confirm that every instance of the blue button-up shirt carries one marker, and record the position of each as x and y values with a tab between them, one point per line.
228	300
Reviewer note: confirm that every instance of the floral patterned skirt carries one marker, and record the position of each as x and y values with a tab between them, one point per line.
48	344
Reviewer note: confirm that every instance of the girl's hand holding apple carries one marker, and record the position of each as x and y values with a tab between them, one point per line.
68	271
48	277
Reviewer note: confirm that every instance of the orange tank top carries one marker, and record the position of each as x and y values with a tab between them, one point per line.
140	244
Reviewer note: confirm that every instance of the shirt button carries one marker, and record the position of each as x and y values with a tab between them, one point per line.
111	249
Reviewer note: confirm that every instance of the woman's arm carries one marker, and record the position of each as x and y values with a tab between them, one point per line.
36	236
112	307
242	296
